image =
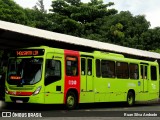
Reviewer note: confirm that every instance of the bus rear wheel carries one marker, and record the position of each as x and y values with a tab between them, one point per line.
71	100
130	98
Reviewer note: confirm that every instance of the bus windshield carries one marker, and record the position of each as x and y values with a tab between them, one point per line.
24	71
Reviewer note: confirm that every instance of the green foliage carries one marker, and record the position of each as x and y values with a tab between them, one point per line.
151	39
93	20
124	29
1	53
40	6
156	50
10	11
77	18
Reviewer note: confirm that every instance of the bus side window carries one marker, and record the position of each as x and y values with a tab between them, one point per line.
98	68
122	70
134	71
108	69
71	66
153	73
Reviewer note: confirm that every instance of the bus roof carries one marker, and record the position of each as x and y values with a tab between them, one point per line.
48	35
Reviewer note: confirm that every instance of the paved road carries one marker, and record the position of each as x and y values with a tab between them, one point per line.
111	111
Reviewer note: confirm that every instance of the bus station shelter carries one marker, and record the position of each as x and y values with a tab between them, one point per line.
14	36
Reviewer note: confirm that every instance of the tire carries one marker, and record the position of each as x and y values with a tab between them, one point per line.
130	98
71	100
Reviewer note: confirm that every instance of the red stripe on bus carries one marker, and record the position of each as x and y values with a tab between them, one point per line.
18	93
71	82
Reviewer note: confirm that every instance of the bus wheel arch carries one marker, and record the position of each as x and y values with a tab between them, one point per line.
71	100
131	97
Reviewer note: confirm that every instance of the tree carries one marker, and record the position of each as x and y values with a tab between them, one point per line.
38	16
92	20
77	18
40	6
124	29
151	39
10	11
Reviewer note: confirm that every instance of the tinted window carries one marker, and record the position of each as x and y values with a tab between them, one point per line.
98	68
108	69
122	70
153	73
134	71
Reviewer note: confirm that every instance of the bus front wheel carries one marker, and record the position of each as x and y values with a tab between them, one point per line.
71	100
130	98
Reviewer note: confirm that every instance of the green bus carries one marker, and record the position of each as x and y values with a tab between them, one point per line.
46	75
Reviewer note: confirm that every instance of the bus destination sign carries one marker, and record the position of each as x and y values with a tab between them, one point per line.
28	52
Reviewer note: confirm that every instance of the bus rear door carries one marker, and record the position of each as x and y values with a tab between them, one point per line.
87	94
144	80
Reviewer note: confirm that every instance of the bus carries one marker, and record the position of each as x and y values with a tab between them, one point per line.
46	75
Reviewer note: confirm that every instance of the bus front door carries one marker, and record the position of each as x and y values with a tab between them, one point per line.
144	80
87	94
53	78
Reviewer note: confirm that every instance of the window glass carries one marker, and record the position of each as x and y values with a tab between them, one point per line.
142	76
83	63
98	68
89	70
108	69
153	73
53	71
134	71
122	70
144	73
24	71
71	66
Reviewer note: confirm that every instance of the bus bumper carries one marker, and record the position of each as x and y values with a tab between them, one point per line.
39	99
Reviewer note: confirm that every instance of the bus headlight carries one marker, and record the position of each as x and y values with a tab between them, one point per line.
37	90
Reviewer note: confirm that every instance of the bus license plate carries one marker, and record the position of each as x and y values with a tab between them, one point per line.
19	101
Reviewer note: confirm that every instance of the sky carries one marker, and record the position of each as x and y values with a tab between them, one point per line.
149	8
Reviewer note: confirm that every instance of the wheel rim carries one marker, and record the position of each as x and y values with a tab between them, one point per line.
130	100
70	101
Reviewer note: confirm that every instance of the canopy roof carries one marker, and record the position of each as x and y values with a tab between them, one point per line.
11	33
